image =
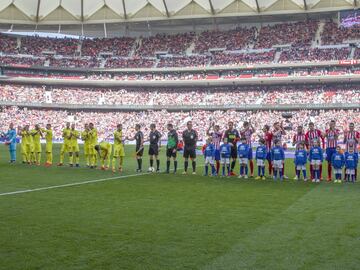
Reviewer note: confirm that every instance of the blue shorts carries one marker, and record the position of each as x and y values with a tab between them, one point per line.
329	153
250	156
217	154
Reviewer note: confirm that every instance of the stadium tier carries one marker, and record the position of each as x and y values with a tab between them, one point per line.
280	42
106	122
336	94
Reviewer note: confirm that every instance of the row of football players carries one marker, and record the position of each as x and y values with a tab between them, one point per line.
31	147
272	149
276	158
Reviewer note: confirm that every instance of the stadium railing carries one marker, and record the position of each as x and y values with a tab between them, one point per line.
204	82
253	107
197	69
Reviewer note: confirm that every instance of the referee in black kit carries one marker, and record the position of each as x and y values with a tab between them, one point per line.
190	138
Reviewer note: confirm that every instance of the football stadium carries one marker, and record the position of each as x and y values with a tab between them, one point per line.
179	134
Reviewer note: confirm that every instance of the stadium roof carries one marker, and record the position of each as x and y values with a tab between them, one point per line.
48	12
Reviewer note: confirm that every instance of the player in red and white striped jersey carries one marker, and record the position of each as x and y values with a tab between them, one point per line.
216	137
299	137
247	131
311	136
331	135
352	138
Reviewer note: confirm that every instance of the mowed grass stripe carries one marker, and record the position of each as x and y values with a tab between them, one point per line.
320	230
172	222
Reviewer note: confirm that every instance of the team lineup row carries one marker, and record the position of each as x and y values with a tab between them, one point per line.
221	149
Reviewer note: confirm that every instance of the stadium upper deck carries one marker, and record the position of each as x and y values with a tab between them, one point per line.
304	41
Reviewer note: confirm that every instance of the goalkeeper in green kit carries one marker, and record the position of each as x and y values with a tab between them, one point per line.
171	147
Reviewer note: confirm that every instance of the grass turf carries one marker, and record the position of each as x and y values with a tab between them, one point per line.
163	221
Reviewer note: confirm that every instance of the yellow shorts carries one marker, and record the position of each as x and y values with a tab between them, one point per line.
29	148
74	148
86	148
119	150
23	148
48	148
37	147
108	153
65	148
92	150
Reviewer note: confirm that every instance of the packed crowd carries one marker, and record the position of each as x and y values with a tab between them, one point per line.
8	44
233	96
184	61
335	34
215	59
172	44
311	55
209	47
89	62
220	59
115	46
37	45
106	122
136	62
166	75
21	61
299	34
236	39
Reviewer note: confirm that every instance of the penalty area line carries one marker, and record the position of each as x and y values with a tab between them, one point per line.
71	184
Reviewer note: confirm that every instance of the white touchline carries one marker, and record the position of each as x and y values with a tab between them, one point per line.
70	184
76	183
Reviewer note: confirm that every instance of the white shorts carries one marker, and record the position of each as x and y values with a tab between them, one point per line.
225	160
315	162
300	167
209	160
350	171
243	161
337	171
260	162
278	164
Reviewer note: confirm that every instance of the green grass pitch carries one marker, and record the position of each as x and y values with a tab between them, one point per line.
161	221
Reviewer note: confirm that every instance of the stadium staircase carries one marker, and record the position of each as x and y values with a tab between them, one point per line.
137	44
47	63
352	53
156	62
103	62
78	49
190	49
18	42
277	56
317	40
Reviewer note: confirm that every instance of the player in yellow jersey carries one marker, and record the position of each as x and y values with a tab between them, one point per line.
65	148
36	135
24	141
29	145
93	141
74	146
119	151
85	138
48	149
104	150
